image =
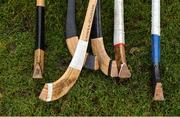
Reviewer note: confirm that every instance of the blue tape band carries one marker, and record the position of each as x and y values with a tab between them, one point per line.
155	48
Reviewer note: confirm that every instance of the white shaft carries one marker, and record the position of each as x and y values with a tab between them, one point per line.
119	33
156	17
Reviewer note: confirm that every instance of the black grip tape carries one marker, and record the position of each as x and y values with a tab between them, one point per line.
156	74
90	62
40	28
96	31
71	19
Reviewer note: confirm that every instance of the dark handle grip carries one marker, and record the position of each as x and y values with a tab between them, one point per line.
71	19
96	27
156	74
40	28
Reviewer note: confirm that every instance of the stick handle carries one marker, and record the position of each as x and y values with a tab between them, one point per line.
81	49
97	27
155	37
39	46
155	31
119	33
40	25
71	20
85	34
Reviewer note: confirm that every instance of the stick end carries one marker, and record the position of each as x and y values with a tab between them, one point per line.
37	74
158	94
124	72
44	93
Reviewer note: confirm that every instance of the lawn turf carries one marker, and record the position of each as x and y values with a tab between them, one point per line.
94	93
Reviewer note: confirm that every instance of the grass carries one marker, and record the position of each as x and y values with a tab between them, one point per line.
94	93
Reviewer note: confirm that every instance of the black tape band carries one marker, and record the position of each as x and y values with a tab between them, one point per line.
110	67
40	29
156	74
96	31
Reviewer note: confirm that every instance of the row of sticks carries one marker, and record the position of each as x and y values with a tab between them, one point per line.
99	59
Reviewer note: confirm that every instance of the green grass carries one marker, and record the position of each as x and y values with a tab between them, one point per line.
94	93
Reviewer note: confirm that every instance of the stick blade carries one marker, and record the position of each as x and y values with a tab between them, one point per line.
44	93
37	74
124	71
158	95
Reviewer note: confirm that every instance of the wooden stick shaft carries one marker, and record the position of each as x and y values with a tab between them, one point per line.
59	88
39	46
85	34
80	53
155	37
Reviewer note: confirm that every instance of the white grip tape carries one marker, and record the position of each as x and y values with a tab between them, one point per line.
119	33
50	91
156	17
79	55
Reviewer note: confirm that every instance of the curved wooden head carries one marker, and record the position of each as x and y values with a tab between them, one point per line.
119	39
72	38
59	88
55	90
107	66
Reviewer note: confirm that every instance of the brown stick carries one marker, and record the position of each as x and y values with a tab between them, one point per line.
38	63
59	88
120	57
103	58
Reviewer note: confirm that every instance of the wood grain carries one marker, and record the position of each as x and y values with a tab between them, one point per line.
38	63
69	78
103	58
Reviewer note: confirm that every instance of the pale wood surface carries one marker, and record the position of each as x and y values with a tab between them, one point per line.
66	82
103	58
40	3
38	63
120	57
61	86
158	95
